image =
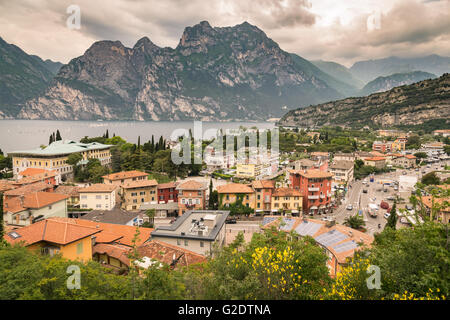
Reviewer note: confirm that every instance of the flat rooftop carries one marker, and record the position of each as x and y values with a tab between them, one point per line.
182	226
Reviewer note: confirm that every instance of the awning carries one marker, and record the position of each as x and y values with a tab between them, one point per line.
259	210
313	208
294	211
274	210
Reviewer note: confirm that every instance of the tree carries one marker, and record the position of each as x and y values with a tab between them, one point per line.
355	222
58	136
430	179
392	219
74	158
1	217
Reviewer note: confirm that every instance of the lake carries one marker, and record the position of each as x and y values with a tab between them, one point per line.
29	134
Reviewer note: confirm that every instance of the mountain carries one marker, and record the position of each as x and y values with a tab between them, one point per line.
418	103
371	69
381	84
344	88
213	74
338	71
22	77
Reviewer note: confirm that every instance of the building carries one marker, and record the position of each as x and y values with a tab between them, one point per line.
436	146
342	171
162	210
50	237
263	194
338	242
54	157
377	162
381	146
115	216
390	133
405	161
138	192
232	192
344	157
72	192
398	144
26	209
124	177
320	156
248	170
167	192
287	200
98	196
443	211
315	187
6	185
442	133
196	230
191	196
32	175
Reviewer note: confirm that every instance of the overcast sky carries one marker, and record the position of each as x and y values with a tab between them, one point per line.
344	31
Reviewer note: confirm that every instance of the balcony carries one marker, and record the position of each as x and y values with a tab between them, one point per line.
313	197
322	196
313	189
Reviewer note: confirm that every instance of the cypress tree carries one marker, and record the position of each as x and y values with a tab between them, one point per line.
392	220
58	135
139	143
50	140
1	217
107	134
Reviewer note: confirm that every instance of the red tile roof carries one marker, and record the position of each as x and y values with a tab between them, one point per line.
191	185
167	185
113	250
49	230
375	159
235	188
6	185
34	200
140	184
286	192
312	173
98	187
35	187
263	184
125	175
35	171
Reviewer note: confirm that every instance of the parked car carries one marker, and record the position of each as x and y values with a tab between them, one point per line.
409	207
364	190
349	207
231	221
387	215
384	205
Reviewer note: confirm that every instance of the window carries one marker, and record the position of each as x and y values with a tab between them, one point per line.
186	243
84	205
178	242
197	201
142	193
84	197
98	197
80	248
202	244
106	197
98	206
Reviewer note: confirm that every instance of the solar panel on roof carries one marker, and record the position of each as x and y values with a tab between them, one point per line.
288	224
342	247
330	238
267	220
14	235
307	228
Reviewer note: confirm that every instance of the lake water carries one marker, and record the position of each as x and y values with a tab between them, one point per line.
29	134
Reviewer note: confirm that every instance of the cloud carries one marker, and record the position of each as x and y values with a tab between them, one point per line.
315	29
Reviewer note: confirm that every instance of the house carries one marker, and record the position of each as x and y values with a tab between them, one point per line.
381	146
437	146
54	157
196	230
26	209
138	192
263	194
249	170
98	196
6	185
32	175
162	210
442	205
124	177
342	171
50	236
377	162
167	192
442	133
191	195
315	187
339	156
320	156
338	242
399	144
230	193
405	161
72	192
115	216
287	199
29	188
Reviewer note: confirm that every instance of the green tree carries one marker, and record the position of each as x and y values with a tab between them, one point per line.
58	136
430	179
355	222
392	219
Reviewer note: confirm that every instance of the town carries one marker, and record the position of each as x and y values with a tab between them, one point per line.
127	207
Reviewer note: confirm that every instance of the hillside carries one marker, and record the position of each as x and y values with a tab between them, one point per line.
415	104
22	77
381	84
338	71
213	74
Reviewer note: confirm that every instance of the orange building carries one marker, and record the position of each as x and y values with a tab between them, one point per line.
191	195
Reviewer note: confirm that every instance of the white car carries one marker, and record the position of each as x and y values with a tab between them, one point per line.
349	207
387	215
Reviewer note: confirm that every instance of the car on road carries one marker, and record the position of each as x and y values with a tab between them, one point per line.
231	221
364	190
329	219
390	198
409	207
349	207
387	215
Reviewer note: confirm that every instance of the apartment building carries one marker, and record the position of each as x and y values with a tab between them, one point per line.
315	187
377	162
232	192
342	171
139	192
191	196
405	161
196	230
98	197
124	177
287	200
167	192
263	194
